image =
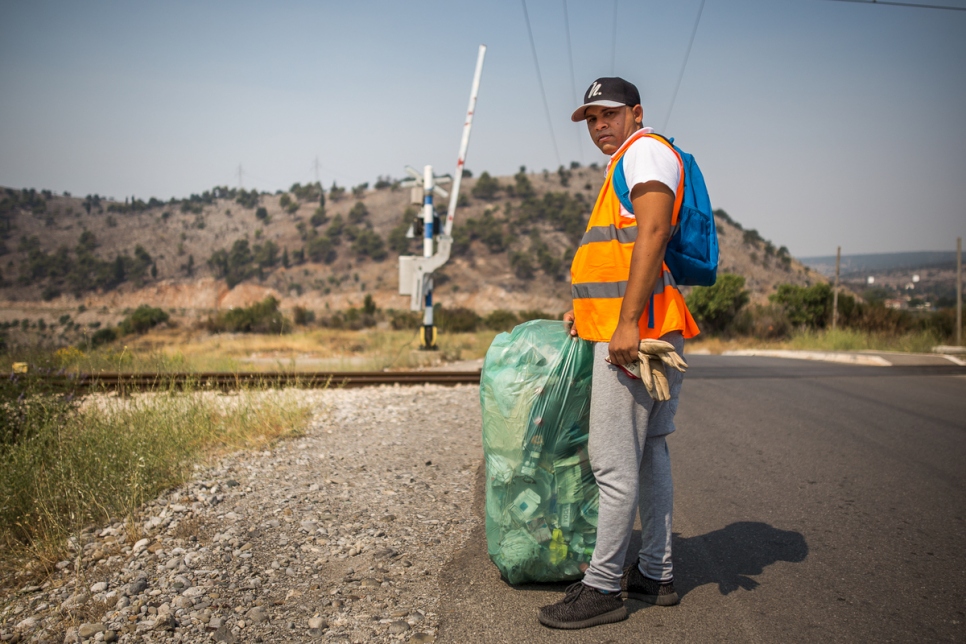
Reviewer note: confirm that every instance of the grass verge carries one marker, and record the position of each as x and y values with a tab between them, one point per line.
823	340
68	464
178	350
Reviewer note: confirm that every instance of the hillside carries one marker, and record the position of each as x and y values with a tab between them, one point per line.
513	240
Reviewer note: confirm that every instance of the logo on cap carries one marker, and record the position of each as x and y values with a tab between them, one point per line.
594	90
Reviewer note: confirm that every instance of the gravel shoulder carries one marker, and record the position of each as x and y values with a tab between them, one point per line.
338	535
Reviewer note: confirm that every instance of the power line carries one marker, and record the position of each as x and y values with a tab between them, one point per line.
573	80
543	93
904	4
684	66
613	44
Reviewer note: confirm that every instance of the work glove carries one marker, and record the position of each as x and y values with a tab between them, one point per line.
654	358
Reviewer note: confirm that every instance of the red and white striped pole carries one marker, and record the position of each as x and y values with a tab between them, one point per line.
464	143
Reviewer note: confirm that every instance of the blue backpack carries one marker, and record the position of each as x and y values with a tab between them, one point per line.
692	251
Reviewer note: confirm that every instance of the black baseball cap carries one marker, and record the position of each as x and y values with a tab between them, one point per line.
608	92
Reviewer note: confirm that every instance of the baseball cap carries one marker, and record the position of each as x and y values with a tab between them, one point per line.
608	92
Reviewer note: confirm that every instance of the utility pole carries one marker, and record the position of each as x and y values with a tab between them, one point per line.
317	169
240	186
959	291
835	291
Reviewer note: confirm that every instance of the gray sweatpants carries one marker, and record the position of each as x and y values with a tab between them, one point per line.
630	460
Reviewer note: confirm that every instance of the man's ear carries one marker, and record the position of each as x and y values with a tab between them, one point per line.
638	114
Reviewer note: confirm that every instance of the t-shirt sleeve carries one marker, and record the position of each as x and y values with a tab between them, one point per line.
650	160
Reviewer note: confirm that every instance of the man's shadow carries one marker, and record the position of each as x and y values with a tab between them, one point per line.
728	557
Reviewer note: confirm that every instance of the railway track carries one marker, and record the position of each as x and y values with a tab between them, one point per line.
133	382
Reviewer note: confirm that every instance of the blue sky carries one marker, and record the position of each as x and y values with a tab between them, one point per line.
819	123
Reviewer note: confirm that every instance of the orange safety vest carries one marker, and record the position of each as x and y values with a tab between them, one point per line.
602	264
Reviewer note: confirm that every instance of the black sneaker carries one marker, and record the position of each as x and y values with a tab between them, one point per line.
637	586
583	606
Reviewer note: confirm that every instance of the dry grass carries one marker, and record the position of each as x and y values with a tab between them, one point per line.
304	350
822	340
71	466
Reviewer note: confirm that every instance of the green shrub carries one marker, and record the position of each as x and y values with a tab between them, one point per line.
103	336
489	230
486	188
318	217
234	265
262	317
262	214
522	265
762	322
358	213
402	320
522	187
303	316
142	319
455	320
353	319
501	320
336	192
248	199
368	243
308	192
560	210
399	243
714	307
336	229
321	249
809	307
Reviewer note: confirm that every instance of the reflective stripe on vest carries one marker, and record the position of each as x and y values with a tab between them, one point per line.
601	267
616	289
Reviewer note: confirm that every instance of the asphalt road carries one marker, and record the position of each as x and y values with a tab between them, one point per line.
814	503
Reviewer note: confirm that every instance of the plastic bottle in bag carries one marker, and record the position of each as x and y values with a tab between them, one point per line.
541	497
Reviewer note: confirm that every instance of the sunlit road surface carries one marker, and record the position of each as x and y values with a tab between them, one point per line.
815	502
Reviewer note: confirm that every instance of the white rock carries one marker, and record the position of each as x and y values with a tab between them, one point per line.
194	591
99	587
141	545
27	624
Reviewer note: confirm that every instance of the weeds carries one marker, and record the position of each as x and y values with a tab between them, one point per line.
852	340
65	465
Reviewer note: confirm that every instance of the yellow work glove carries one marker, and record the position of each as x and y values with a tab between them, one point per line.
655	356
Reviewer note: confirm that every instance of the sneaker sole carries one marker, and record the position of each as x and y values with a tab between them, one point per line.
616	615
656	600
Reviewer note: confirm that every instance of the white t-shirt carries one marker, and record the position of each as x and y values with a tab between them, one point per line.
650	160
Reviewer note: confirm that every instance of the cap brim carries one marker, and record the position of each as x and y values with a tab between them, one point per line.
579	115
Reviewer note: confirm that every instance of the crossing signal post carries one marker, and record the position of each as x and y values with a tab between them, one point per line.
416	272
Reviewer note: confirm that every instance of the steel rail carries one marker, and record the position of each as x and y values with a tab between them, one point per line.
89	382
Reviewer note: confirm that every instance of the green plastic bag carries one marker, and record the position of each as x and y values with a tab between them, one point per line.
541	496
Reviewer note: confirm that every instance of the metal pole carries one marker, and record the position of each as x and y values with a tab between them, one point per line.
464	143
835	292
428	333
959	291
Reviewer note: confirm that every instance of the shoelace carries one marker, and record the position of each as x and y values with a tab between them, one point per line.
573	591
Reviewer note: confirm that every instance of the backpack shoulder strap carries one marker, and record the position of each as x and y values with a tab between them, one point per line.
619	180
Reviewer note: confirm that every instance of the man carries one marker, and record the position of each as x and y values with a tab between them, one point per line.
624	293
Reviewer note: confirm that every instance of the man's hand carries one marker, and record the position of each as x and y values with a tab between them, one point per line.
624	343
568	320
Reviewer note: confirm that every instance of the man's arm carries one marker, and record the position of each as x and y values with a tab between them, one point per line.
653	207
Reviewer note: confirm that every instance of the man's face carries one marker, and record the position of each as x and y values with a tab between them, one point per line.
610	126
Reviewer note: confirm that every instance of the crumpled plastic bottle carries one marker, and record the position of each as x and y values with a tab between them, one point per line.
541	496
